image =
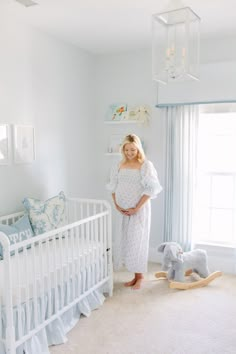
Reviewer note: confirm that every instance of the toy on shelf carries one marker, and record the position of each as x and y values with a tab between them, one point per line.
141	114
177	265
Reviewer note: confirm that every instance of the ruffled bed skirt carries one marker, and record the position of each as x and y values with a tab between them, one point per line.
55	332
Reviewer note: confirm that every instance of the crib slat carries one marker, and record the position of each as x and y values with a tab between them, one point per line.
92	257
105	244
87	209
87	250
83	257
81	212
35	296
93	252
18	294
55	271
102	245
67	270
95	269
78	247
61	262
47	279
97	272
40	258
73	259
75	211
27	277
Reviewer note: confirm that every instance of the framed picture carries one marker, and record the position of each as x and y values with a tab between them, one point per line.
4	144
24	144
115	143
117	112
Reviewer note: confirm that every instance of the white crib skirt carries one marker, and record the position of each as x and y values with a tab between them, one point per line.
55	332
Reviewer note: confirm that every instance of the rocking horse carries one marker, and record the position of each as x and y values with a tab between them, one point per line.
177	265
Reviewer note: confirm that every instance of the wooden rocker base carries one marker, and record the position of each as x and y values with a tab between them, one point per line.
163	274
185	286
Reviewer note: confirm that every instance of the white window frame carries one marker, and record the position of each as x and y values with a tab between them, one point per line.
200	239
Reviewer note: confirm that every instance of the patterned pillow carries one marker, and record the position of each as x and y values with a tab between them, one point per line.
48	215
19	231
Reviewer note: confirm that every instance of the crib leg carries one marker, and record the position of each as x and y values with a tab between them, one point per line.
10	343
110	287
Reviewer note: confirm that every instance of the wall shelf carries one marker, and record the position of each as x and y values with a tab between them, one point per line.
113	154
120	121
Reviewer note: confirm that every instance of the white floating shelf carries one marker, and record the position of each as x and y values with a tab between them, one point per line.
120	121
112	154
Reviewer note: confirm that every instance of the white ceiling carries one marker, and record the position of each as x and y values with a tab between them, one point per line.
105	26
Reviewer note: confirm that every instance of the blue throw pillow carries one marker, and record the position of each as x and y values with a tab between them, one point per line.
19	231
46	215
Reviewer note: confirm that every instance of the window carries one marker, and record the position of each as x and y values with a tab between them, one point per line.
215	207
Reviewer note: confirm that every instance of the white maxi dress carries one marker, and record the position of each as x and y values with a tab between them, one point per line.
131	241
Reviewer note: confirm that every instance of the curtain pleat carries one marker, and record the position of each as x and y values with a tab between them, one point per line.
180	173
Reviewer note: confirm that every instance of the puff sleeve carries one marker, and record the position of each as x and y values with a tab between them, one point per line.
111	185
150	181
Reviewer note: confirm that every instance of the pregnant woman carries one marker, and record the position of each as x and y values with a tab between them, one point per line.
133	181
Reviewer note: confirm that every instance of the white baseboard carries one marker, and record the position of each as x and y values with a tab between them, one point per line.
154	256
220	257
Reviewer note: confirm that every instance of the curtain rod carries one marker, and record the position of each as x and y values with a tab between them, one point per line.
164	105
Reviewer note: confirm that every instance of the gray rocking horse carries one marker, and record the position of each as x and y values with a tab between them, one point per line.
177	265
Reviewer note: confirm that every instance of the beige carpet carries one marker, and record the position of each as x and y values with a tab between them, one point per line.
159	320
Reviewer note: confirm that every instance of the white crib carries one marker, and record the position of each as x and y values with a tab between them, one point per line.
54	277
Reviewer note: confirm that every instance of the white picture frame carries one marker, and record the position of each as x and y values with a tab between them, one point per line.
5	144
24	144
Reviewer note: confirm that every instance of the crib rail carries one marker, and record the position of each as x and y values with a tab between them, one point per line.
10	219
48	274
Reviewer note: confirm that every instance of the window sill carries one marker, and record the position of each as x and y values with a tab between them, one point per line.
214	245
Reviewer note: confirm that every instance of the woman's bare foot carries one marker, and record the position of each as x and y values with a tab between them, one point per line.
137	284
130	283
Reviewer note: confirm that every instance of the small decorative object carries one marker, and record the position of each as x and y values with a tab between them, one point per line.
24	144
4	144
117	112
178	264
175	45
115	143
141	114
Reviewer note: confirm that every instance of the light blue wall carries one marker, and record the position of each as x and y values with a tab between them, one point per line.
49	84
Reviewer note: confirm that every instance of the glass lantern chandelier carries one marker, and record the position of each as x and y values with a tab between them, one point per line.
175	45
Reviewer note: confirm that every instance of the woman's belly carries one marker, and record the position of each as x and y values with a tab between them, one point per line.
128	195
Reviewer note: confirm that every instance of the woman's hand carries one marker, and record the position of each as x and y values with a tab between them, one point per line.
127	212
122	211
131	211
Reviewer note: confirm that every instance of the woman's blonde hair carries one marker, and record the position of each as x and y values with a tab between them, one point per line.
133	139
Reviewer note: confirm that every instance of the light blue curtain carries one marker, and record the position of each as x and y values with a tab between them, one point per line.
180	172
